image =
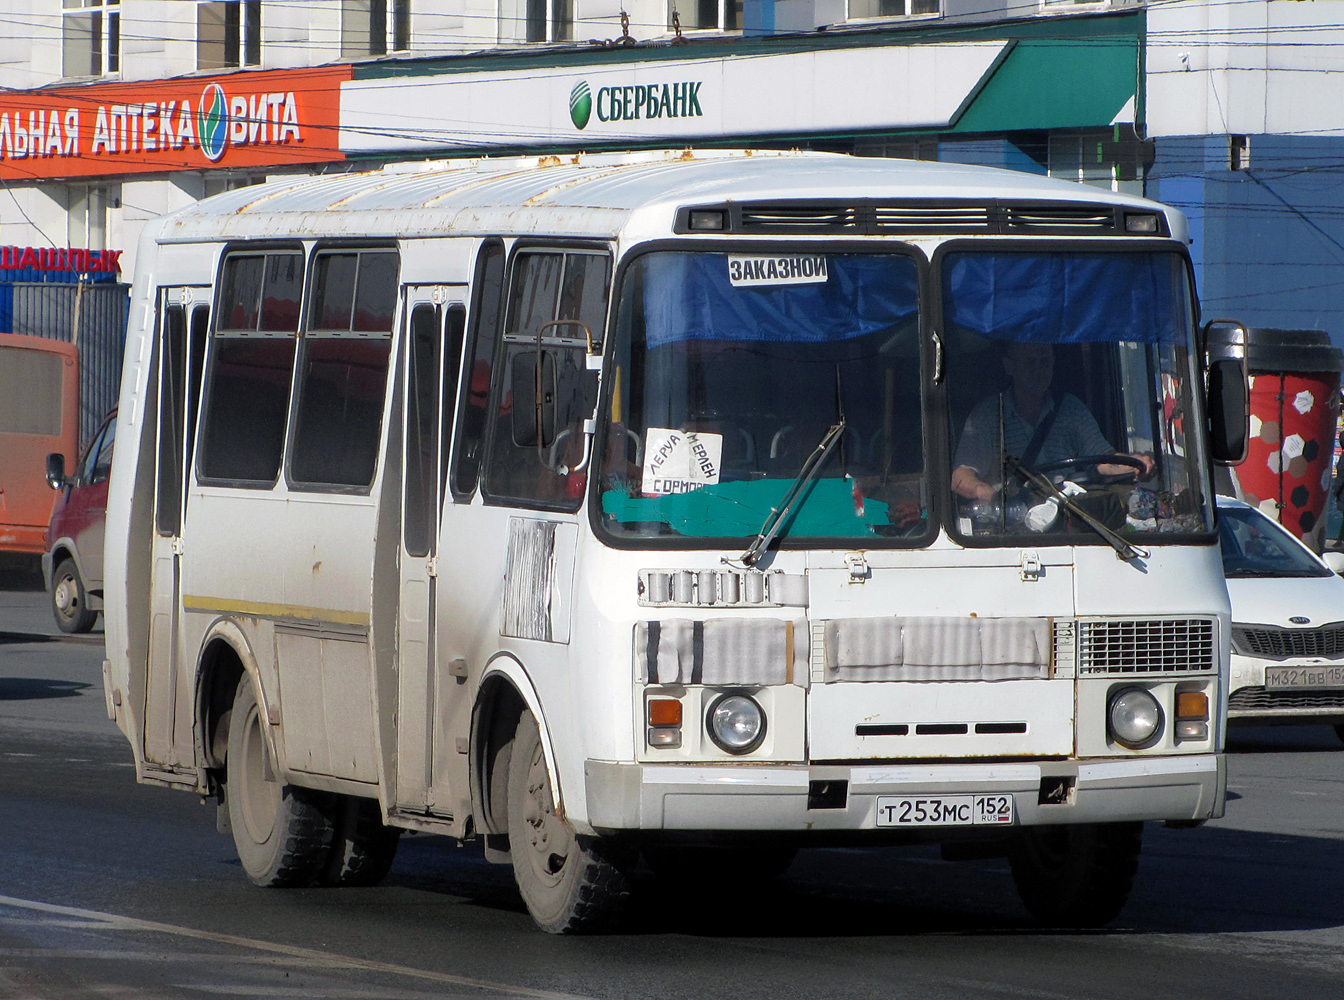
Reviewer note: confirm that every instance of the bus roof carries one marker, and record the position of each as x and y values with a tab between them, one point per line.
596	195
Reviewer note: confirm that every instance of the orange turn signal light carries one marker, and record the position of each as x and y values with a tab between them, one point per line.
664	712
1192	705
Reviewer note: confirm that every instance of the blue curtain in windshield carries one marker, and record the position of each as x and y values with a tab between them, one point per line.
1068	298
691	297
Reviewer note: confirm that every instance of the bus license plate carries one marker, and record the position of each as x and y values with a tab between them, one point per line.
944	810
1324	676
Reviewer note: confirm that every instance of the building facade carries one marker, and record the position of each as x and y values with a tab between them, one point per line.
119	110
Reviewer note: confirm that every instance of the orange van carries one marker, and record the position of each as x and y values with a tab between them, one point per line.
39	415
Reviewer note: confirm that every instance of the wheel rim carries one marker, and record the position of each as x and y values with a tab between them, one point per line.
259	798
548	839
66	597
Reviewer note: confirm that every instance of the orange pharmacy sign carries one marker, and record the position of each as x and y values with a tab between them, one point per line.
270	119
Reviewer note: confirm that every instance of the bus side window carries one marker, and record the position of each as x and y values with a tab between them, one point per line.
557	308
250	369
474	393
454	330
345	352
172	389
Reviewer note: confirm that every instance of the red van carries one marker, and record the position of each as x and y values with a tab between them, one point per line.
73	563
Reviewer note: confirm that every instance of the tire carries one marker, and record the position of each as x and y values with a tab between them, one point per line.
1339	731
282	834
362	848
571	884
69	602
1077	875
697	864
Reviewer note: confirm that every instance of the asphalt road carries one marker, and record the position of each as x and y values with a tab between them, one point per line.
112	889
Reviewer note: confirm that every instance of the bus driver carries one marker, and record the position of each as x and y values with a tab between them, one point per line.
1038	427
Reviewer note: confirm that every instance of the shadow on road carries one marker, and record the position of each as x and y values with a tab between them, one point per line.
1211	880
21	579
12	638
32	689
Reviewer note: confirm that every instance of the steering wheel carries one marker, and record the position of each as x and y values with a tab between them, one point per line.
1094	462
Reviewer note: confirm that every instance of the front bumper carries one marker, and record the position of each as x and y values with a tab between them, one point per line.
712	797
1249	701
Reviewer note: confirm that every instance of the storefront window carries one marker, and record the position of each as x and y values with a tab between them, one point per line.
892	8
706	14
374	27
228	34
91	37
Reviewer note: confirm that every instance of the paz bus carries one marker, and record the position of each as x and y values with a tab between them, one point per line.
39	416
601	508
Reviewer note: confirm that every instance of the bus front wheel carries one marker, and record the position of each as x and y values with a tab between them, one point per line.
571	884
282	835
1076	875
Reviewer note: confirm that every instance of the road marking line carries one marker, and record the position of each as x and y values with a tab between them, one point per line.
113	921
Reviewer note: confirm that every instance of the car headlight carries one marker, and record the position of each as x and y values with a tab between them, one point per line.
736	723
1135	718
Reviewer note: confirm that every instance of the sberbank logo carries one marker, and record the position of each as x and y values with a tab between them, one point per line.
580	104
636	103
212	122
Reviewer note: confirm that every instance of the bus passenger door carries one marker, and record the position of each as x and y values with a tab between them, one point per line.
433	344
183	322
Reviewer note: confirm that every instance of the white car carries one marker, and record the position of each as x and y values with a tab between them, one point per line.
1287	623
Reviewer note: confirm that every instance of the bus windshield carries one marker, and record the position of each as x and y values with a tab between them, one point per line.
730	368
1070	373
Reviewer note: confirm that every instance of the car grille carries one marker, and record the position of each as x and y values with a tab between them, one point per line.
1146	645
1282	643
1256	699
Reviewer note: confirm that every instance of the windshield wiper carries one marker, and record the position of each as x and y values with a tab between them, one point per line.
1051	492
775	520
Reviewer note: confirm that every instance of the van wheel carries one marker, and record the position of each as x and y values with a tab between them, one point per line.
571	884
1076	875
69	603
362	848
282	835
1339	731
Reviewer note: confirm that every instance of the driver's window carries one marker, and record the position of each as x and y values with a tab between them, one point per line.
556	312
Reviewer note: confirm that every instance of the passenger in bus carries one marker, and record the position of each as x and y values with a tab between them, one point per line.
1039	427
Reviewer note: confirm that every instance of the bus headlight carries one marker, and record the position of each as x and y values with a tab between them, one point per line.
1134	718
736	723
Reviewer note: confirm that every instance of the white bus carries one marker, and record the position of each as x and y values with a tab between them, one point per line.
604	508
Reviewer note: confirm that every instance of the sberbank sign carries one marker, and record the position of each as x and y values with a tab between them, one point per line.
636	103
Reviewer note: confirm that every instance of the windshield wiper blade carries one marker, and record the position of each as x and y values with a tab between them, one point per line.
1052	492
775	520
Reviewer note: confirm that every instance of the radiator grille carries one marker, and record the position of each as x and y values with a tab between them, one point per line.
1146	646
933	219
1056	219
1257	699
796	218
1283	643
918	217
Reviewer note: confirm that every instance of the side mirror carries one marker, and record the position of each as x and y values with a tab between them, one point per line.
1228	397
1335	560
56	471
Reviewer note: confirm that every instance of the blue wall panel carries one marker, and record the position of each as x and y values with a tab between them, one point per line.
1269	240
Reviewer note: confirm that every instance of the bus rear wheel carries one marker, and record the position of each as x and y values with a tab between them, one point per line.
282	834
1076	875
362	848
571	884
